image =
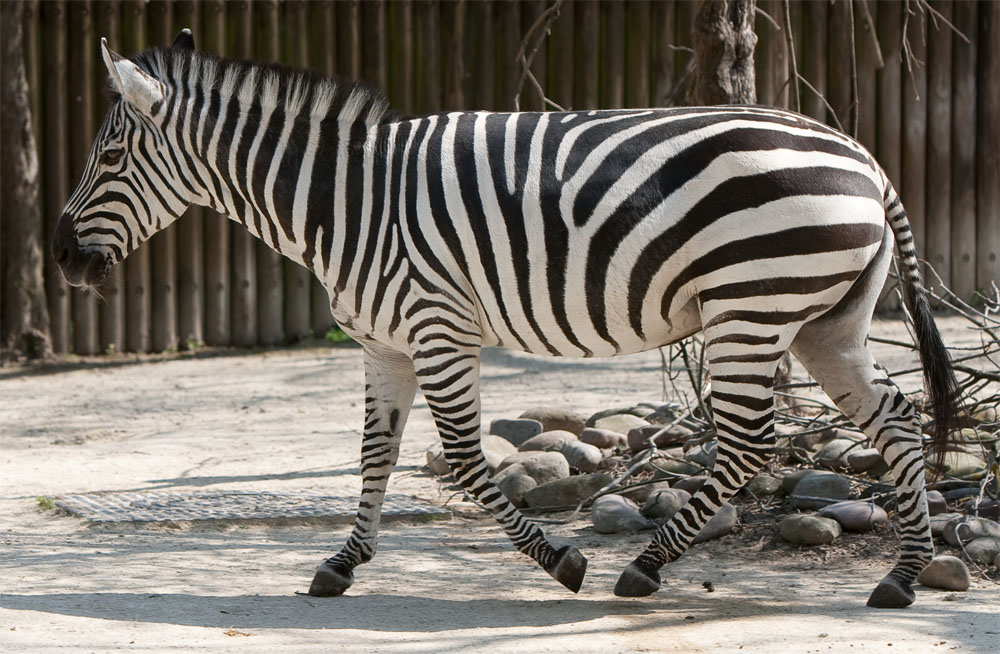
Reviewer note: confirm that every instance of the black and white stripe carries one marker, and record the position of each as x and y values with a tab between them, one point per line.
572	234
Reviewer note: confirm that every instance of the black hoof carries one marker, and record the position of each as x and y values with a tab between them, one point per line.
569	567
330	581
891	594
637	582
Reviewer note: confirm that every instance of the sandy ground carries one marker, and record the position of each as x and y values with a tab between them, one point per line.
290	420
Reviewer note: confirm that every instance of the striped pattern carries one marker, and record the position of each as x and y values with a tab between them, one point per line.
571	234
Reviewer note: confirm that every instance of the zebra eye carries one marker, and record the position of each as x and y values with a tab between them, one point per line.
112	156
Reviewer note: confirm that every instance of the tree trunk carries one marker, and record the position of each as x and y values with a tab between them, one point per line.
25	316
724	41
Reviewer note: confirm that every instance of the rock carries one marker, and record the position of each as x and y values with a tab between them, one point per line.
661	435
764	485
983	550
802	529
677	467
834	453
963	465
664	503
540	466
868	460
547	441
721	524
514	486
607	413
882	494
824	485
936	503
515	431
789	481
946	572
612	514
557	419
855	515
985	414
583	457
495	450
702	455
967	529
566	492
619	422
602	438
691	484
988	508
435	460
640	494
940	521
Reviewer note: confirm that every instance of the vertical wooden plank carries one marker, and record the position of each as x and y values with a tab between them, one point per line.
243	245
323	57
349	39
270	277
987	156
764	57
482	53
373	46
560	57
531	100
216	227
867	78
939	106
838	78
613	55
963	152
82	131
401	55
889	148
54	160
112	323
452	55
137	267
813	63
508	23
637	48
163	245
427	42
298	278
684	12
662	82
913	186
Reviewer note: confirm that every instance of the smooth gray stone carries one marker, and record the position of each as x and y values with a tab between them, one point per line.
970	529
547	441
514	486
721	524
435	460
540	466
495	450
940	521
662	504
802	529
855	515
661	435
834	453
554	419
868	461
983	550
764	485
641	493
583	457
789	481
612	514
946	572
516	431
691	484
936	504
566	492
825	485
607	413
602	438
703	455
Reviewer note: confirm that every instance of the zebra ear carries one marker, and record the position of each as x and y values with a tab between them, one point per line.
184	40
137	87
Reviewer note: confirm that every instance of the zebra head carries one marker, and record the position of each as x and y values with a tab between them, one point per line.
130	187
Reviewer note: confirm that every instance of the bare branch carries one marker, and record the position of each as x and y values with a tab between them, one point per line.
534	38
790	41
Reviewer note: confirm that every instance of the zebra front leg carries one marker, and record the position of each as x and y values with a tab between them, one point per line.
743	409
449	378
389	388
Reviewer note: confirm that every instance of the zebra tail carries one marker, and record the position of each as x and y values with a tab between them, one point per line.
940	384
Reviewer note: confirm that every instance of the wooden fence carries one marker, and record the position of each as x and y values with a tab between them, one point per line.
934	129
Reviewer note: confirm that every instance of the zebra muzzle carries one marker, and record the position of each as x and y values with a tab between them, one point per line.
79	267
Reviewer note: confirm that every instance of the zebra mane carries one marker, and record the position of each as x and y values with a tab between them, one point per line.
273	85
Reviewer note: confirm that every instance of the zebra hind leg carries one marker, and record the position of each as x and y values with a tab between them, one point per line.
742	370
449	378
389	389
862	390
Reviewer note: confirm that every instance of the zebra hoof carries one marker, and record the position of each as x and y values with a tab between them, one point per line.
637	582
330	581
891	594
569	567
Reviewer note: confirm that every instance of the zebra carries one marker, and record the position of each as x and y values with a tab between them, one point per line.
577	233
